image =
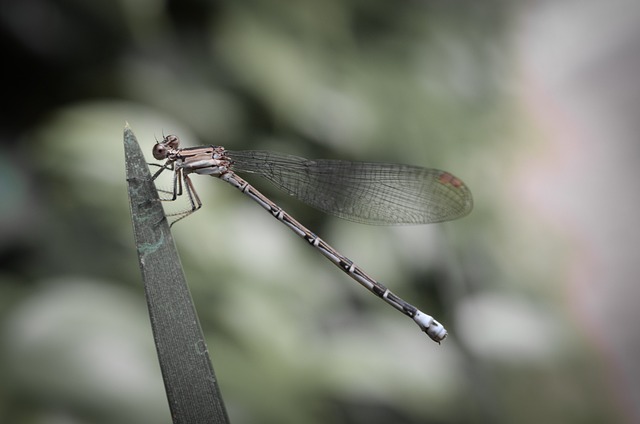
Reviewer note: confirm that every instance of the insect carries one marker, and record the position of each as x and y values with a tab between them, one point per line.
366	192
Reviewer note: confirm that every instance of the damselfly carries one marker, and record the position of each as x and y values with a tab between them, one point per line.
371	193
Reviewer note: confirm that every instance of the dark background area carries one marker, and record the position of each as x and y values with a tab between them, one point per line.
532	104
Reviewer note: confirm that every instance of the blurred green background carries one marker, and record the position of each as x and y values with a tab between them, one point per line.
533	104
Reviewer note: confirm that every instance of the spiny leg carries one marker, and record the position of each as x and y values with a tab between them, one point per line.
170	165
177	182
178	176
167	165
194	199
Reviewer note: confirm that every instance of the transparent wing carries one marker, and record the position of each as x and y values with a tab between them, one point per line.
371	193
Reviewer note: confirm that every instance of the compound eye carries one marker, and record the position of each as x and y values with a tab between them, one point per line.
160	151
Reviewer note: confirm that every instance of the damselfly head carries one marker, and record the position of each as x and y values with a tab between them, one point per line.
163	149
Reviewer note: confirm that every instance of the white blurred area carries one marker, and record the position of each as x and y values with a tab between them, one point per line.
580	79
